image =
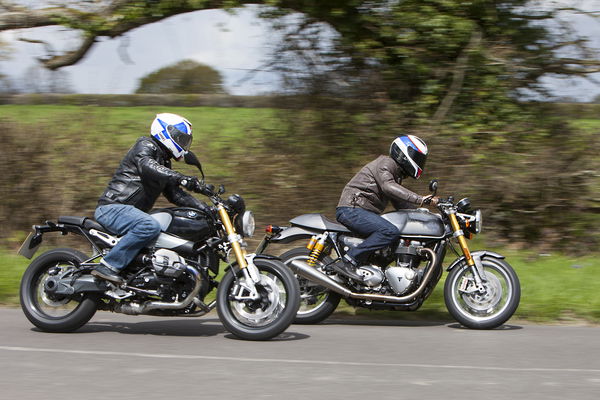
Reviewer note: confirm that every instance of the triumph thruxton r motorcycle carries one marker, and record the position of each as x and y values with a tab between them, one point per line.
482	291
256	299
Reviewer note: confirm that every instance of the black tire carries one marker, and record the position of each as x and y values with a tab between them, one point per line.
242	317
324	300
488	310
39	307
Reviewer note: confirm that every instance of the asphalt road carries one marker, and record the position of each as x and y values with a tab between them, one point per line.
126	357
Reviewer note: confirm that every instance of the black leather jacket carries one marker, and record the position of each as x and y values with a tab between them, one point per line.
144	173
377	183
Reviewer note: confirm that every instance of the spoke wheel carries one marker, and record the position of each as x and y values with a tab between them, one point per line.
316	302
485	309
268	315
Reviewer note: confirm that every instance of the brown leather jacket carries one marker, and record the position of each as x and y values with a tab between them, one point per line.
375	184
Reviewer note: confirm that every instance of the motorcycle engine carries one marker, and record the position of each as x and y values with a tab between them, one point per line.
404	275
400	278
168	263
372	275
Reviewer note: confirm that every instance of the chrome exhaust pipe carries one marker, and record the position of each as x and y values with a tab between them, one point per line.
312	274
137	308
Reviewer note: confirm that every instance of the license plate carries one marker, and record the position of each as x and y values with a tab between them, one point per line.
28	248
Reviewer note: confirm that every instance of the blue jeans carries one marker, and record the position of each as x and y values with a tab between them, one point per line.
379	232
136	228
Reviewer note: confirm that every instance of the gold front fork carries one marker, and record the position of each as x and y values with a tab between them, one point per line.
459	234
233	237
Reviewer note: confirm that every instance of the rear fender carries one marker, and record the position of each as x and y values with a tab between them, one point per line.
266	257
291	234
477	256
35	238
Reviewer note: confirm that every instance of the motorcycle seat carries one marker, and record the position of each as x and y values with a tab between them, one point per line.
84	222
335	226
318	222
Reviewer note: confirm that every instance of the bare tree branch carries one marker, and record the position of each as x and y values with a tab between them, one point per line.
112	19
71	57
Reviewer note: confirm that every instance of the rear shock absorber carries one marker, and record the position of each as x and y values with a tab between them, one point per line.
316	246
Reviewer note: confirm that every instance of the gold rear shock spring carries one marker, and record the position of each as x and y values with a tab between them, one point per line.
316	246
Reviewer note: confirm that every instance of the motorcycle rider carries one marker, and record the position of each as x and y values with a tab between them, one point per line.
144	173
366	196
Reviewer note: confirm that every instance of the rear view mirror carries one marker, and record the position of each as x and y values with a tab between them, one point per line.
433	186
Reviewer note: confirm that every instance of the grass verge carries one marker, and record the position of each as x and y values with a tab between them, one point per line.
554	289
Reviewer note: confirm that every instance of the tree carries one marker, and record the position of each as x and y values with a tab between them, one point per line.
185	77
454	71
436	53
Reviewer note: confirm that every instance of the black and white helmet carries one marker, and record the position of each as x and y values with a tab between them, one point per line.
410	152
174	132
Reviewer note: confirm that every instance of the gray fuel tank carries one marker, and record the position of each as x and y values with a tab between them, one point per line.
417	223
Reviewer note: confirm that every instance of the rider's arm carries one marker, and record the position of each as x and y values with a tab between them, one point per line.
402	204
180	197
385	179
151	169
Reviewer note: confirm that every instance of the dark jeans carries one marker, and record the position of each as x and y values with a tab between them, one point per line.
137	228
379	232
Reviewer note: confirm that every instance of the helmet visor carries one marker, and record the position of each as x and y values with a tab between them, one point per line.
182	139
417	157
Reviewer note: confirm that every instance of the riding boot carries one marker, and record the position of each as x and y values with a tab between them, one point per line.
347	267
107	273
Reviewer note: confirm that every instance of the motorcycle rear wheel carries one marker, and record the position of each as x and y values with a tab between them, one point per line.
483	310
316	302
266	317
52	313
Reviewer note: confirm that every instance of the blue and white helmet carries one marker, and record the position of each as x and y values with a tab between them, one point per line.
410	152
174	132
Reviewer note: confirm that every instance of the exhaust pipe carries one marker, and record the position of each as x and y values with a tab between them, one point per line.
145	308
312	274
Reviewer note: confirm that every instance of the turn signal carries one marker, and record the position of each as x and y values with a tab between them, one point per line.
273	229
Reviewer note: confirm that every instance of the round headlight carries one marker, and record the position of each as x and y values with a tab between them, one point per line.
248	224
478	221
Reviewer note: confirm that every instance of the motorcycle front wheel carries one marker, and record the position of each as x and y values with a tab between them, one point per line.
267	316
52	313
316	302
490	308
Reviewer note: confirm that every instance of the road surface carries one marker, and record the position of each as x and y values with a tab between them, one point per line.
141	357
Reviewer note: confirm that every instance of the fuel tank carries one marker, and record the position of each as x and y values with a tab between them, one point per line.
417	223
185	223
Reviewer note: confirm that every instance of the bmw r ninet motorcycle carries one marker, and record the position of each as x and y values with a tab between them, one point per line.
482	291
256	299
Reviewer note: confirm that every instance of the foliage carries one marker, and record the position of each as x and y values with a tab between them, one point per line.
184	77
536	190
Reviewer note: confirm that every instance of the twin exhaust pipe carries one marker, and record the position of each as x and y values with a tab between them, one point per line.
301	268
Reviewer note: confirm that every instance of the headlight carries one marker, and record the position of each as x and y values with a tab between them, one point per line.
478	221
245	224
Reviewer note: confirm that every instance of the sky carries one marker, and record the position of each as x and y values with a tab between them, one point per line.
234	44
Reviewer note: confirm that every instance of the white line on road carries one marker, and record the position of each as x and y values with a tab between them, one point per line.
292	361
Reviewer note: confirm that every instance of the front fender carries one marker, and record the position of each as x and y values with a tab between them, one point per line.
476	254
